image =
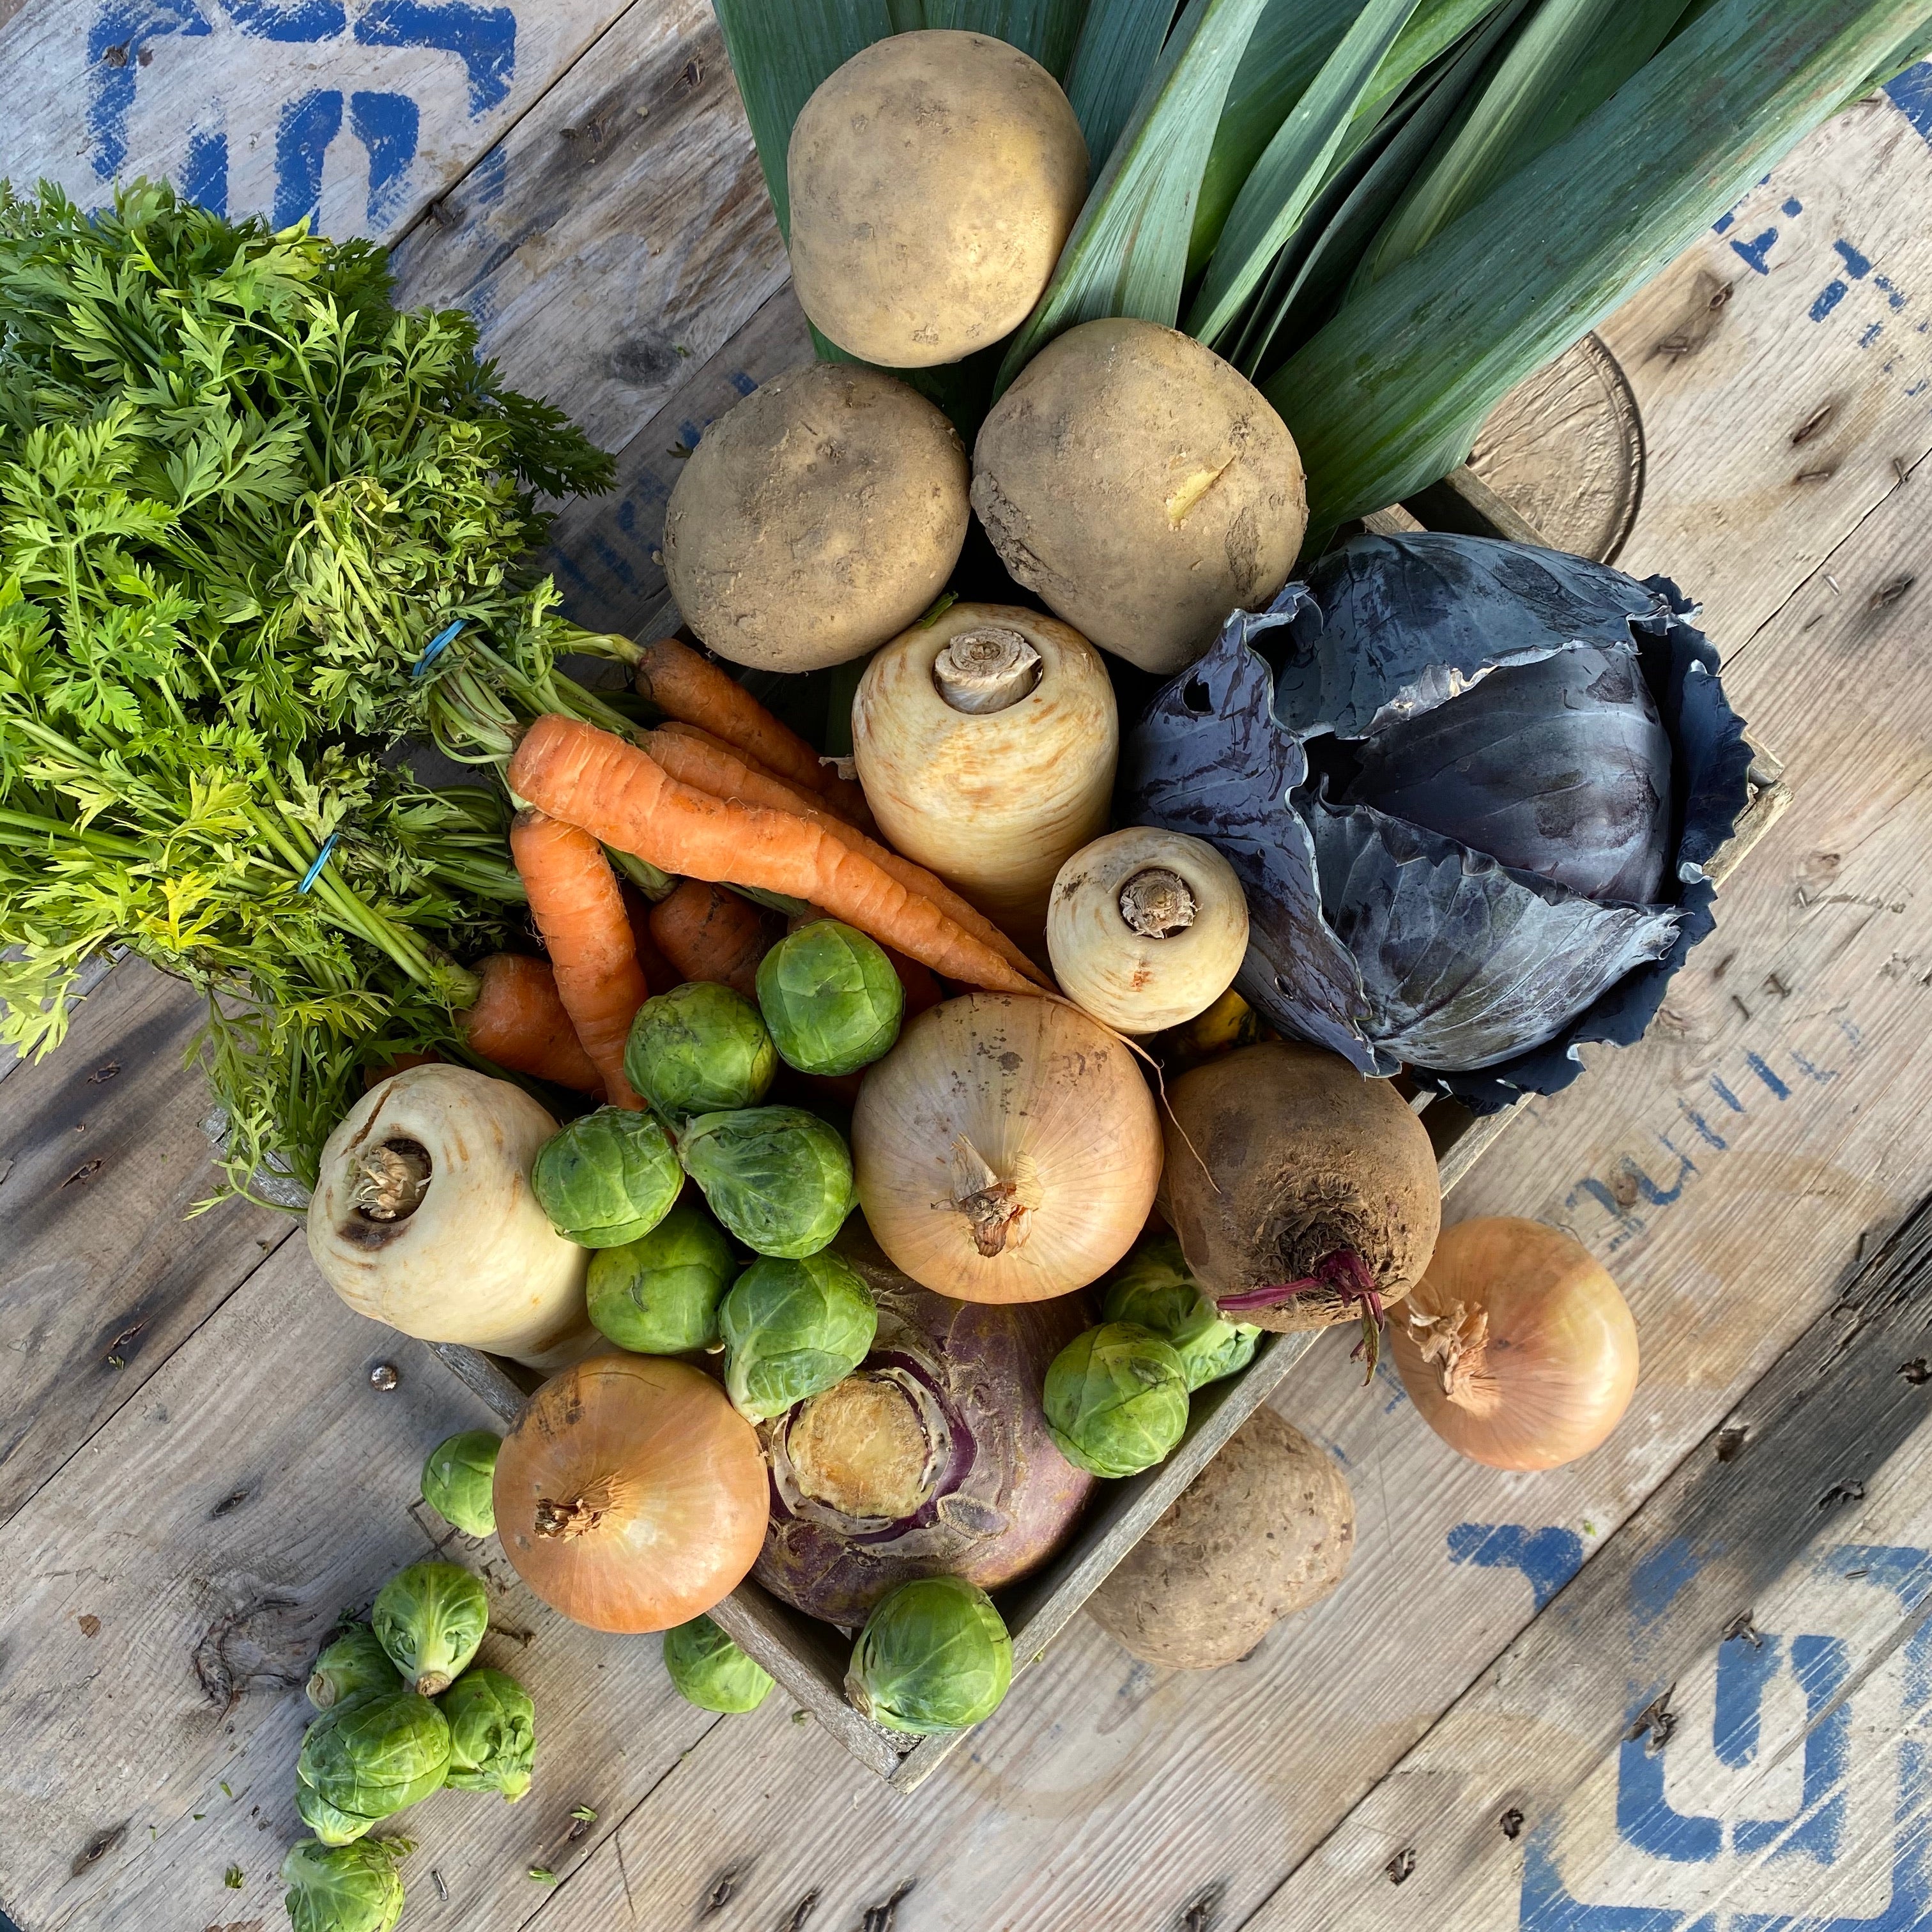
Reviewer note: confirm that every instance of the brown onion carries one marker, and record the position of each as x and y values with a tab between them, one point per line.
1515	1347
631	1495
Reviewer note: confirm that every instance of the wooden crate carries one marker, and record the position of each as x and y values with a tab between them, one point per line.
808	1657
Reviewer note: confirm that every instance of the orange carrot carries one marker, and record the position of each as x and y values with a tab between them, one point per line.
579	910
659	974
620	795
686	686
707	933
695	759
519	1022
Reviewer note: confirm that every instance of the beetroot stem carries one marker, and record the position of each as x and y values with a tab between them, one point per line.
1343	1273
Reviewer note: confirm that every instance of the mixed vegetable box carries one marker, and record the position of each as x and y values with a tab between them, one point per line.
873	1115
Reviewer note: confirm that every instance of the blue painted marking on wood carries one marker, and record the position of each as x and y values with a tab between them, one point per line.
1857	265
1820	1074
483	186
1746	1666
1829	296
1894	298
1629	1226
1911	93
1794	206
1658	1578
627	517
1723	222
1706	1132
1548	1557
1872	334
483	38
204	175
386	124
742	382
290	21
124	28
1725	1094
688	434
1758	1065
1646	1820
308	125
618	566
1752	254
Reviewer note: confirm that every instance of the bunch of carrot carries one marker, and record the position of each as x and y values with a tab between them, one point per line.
723	791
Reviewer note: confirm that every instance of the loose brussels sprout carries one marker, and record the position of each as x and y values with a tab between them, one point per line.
431	1618
492	1732
364	1759
933	1656
457	1480
1155	1287
700	1049
831	998
659	1296
792	1328
345	1887
352	1662
607	1178
708	1669
779	1178
1116	1399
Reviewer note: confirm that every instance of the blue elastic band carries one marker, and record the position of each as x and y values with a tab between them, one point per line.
436	646
314	871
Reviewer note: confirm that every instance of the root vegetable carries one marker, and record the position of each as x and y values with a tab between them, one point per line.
1142	487
986	742
706	932
1303	1194
816	518
519	1022
1516	1347
1266	1530
1146	928
423	1216
1006	1150
934	177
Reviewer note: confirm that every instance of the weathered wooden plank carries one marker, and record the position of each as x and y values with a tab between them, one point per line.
1781	366
618	234
356	116
1770	1598
161	1597
101	1275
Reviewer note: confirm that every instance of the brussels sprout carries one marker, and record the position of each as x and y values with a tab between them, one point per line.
367	1758
659	1296
792	1328
458	1480
1116	1399
345	1887
431	1618
700	1049
607	1178
352	1662
831	998
780	1179
1155	1287
933	1656
708	1669
492	1732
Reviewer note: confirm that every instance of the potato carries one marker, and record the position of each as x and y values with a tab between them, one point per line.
1265	1530
1142	487
934	178
817	519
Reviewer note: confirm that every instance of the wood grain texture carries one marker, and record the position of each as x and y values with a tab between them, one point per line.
101	1276
161	1600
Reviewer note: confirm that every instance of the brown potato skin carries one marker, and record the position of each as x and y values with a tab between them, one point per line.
1265	1530
935	177
1308	1156
816	519
1142	487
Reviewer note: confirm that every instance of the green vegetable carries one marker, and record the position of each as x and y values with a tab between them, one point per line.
659	1296
1116	1399
831	998
239	494
700	1049
458	1481
431	1618
351	1663
362	1760
933	1656
609	1178
1154	1289
780	1179
791	1329
710	1670
345	1887
492	1732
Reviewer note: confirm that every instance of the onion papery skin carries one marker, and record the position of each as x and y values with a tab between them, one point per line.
1556	1369
1000	1104
670	1484
998	1498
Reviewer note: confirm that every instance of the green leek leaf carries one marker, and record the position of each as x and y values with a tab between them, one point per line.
1290	173
1128	252
1047	29
1119	45
1388	397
